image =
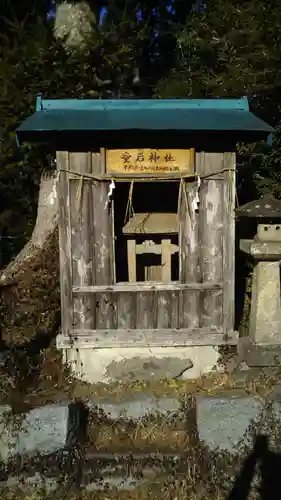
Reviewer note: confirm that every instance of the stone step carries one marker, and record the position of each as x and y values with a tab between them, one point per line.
143	424
108	478
143	419
100	471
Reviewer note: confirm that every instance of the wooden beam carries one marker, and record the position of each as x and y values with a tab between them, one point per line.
147	287
64	224
106	316
189	252
132	263
229	243
82	241
155	248
166	260
98	339
210	236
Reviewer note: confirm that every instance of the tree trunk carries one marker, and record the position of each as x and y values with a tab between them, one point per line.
29	285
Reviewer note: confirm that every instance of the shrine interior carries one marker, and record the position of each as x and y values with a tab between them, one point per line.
130	199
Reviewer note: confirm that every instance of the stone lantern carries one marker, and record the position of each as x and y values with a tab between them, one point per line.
265	249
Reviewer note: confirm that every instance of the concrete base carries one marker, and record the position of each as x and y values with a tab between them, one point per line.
257	355
265	316
143	364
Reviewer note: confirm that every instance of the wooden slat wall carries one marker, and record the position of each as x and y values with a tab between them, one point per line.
147	310
87	240
206	243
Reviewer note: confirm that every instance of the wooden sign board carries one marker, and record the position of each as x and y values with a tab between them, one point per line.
149	161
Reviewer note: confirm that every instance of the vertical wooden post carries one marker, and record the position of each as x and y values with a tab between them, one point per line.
64	243
189	257
166	273
229	243
211	240
82	238
132	264
103	246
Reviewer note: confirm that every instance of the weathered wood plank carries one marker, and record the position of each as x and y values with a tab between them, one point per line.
189	255
126	310
155	248
166	260
132	261
143	338
152	273
164	309
64	243
103	246
175	309
106	310
111	228
210	231
146	316
210	164
229	242
148	287
152	223
81	238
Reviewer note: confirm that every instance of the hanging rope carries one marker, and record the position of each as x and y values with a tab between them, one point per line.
129	208
79	192
167	177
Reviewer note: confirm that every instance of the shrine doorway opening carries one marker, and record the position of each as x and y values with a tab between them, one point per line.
146	231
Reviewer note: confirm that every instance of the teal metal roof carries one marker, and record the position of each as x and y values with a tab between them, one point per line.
174	115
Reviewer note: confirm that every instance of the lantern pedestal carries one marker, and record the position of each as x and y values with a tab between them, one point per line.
265	315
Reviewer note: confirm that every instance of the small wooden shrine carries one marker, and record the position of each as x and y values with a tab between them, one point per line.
146	222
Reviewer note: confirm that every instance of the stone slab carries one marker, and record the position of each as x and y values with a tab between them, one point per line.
140	406
147	369
223	420
42	430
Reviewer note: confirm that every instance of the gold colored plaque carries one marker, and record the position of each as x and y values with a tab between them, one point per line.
149	161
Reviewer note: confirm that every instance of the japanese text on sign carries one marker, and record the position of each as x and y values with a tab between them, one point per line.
149	161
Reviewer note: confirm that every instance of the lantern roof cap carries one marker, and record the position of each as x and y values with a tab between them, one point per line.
266	207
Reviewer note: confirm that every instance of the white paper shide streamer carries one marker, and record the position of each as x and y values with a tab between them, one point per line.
109	194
